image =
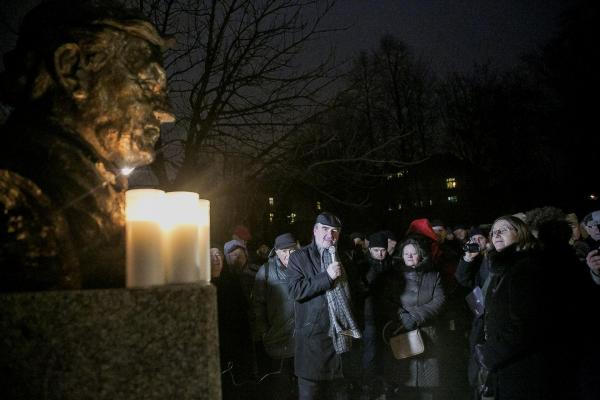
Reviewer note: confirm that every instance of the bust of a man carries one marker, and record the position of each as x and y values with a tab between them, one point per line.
88	92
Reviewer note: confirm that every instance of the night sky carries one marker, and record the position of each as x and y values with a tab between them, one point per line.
449	35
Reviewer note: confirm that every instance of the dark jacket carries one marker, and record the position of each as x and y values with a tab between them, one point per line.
473	273
570	299
235	336
274	309
315	356
511	348
366	283
470	275
419	292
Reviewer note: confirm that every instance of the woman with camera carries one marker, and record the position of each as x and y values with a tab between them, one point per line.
472	271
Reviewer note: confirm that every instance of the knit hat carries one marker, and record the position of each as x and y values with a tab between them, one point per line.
285	241
592	218
232	245
437	222
357	235
477	231
378	239
389	235
329	219
242	232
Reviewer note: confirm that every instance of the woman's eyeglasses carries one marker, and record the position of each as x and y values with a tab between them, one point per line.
501	231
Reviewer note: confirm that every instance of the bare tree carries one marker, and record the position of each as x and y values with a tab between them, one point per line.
240	83
380	125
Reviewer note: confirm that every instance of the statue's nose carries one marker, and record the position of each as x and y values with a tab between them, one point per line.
164	116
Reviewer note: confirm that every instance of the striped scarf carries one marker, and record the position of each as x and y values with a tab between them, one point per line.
342	327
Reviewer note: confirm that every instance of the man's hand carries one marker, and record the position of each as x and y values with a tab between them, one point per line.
468	257
593	261
334	270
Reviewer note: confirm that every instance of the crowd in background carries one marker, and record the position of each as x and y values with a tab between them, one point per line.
506	310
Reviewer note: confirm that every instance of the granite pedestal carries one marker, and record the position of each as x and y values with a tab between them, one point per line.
155	343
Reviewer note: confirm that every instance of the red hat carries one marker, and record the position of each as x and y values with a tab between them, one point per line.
242	232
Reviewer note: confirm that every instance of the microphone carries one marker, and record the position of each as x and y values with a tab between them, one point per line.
332	251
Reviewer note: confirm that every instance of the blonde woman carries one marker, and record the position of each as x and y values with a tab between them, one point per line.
508	351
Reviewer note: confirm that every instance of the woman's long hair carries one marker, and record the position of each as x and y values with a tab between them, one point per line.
525	239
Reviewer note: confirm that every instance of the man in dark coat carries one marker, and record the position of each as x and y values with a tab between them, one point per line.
324	325
274	318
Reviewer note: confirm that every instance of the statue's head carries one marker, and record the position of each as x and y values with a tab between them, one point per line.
96	69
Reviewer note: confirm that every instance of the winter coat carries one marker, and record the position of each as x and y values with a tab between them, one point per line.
419	292
274	309
473	273
568	294
366	283
235	336
510	349
315	356
470	275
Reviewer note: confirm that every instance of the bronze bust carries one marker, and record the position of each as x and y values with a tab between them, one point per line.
88	92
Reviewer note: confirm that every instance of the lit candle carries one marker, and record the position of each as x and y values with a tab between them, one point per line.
144	242
182	231
204	239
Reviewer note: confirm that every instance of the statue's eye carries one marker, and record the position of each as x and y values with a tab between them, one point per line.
137	55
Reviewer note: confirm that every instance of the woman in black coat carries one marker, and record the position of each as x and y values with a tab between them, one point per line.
508	354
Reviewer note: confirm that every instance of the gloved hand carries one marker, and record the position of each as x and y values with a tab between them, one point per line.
408	321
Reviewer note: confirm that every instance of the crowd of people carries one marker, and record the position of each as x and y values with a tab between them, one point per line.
505	311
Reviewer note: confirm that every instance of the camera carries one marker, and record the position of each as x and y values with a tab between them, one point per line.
471	248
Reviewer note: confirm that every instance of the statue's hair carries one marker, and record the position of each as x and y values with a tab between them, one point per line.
28	68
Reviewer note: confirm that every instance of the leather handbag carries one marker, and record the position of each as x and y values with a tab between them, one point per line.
406	344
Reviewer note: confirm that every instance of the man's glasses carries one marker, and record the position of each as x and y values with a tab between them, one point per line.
501	231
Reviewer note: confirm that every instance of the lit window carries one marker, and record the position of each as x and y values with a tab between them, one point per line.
399	206
453	199
430	202
292	217
318	205
451	183
271	216
271	201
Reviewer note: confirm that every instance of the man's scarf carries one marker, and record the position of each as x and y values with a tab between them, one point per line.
342	327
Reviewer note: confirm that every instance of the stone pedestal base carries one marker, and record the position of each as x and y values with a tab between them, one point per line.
155	343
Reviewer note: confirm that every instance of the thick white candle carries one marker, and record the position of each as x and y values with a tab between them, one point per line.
204	239
182	237
145	261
